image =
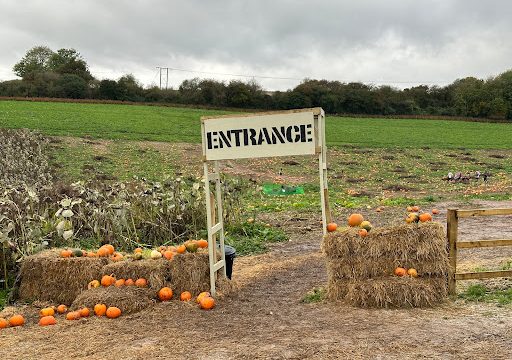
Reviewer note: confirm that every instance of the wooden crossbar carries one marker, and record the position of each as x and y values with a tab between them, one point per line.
483	212
483	243
483	275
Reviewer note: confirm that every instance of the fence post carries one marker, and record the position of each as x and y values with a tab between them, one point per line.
451	231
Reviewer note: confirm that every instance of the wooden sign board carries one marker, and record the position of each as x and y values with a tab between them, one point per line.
266	135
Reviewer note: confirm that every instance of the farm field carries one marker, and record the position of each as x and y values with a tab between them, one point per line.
152	123
279	309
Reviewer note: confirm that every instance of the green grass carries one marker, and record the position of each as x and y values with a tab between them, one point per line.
315	295
252	238
138	122
480	293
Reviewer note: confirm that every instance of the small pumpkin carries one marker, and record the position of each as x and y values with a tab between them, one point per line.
17	320
85	312
73	315
47	320
100	309
129	282
61	309
332	227
415	208
355	219
111	250
78	253
141	282
191	246
108	280
137	251
400	271
363	232
207	303
425	217
435	211
202	295
113	312
412	273
93	284
185	296
165	294
47	312
181	249
155	255
103	252
120	282
168	254
202	243
66	253
3	323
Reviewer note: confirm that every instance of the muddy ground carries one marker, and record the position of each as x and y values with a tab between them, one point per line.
266	318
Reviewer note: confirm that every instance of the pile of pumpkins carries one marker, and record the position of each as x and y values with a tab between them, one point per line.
354	220
414	216
109	251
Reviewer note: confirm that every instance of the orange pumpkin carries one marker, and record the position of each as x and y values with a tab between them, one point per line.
355	219
137	251
202	243
110	249
332	227
435	211
415	208
412	272
168	254
165	294
3	323
181	249
117	257
108	280
93	284
425	217
207	303
17	320
47	320
73	315
113	312
61	309
400	271
409	208
47	312
120	282
202	295
91	254
141	282
129	282
103	252
85	312
185	296
363	232
100	309
66	253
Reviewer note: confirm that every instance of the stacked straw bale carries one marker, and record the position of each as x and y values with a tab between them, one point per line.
48	277
129	299
360	269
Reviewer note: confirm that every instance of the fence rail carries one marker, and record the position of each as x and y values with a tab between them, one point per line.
452	219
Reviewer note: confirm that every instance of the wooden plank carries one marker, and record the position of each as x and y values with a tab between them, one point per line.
315	111
451	232
216	228
483	212
483	275
483	243
219	264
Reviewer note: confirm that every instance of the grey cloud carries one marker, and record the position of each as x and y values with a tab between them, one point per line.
392	40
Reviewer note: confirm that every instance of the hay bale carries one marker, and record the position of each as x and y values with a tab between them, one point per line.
129	299
396	292
154	271
190	272
360	269
48	277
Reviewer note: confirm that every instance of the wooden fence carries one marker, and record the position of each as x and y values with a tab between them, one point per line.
453	217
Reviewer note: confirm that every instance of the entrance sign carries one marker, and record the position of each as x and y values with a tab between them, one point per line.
278	133
260	136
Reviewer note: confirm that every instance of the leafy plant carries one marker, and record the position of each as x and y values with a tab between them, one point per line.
316	295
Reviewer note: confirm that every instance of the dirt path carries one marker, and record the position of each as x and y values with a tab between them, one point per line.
267	320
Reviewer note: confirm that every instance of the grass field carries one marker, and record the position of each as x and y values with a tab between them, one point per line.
169	124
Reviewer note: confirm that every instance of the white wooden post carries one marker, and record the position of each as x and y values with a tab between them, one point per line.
322	170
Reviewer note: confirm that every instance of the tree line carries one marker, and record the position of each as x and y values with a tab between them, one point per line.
65	74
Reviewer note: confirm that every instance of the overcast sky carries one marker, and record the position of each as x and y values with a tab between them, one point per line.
396	42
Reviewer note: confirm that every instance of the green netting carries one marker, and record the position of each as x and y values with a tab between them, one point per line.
279	189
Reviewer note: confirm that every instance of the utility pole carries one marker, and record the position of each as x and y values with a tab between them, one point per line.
166	76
